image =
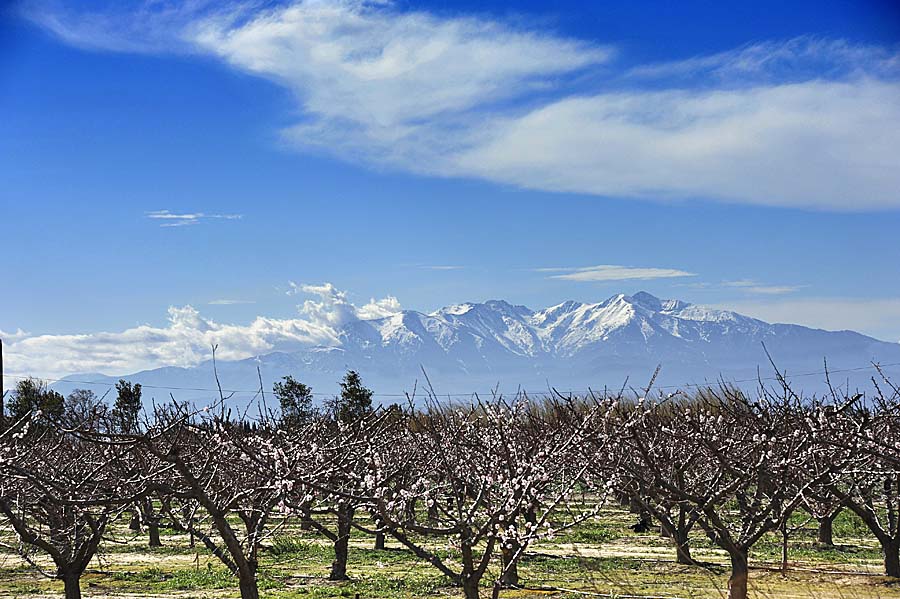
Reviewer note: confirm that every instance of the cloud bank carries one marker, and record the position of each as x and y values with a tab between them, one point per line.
187	337
804	123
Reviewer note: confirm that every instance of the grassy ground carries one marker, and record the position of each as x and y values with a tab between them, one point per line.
603	557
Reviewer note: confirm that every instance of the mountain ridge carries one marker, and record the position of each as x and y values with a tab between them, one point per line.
476	345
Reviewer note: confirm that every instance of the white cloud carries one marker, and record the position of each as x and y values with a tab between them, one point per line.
151	26
816	144
442	267
334	309
379	308
800	58
184	341
804	123
229	302
752	286
876	317
12	337
773	289
187	337
609	272
182	219
386	70
747	286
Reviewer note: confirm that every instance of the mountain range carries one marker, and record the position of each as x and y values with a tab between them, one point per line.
478	347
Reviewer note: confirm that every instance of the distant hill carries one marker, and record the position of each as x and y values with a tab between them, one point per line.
474	347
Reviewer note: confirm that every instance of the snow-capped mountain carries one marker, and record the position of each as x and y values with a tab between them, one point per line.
476	346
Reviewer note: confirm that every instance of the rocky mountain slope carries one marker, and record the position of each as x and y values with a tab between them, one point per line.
476	346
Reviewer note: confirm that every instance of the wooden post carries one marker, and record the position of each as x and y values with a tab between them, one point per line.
2	413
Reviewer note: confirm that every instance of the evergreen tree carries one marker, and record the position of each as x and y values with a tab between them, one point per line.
128	406
295	400
355	400
33	394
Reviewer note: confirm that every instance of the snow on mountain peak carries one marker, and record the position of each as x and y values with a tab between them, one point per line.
472	344
483	329
454	309
651	302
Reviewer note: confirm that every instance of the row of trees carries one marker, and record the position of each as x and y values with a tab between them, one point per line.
33	396
490	477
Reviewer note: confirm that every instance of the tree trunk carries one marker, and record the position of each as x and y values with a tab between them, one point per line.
153	528
379	540
679	531
305	517
186	512
825	534
737	584
151	518
341	545
72	584
682	547
891	558
510	576
470	587
784	548
247	584
135	523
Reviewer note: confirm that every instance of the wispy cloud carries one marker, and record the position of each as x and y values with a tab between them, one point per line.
147	26
609	272
441	267
773	289
805	123
796	59
168	218
752	286
747	286
229	302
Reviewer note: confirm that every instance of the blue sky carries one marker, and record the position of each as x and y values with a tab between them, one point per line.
740	155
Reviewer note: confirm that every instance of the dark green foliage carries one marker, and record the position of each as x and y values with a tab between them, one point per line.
295	400
33	394
355	400
127	407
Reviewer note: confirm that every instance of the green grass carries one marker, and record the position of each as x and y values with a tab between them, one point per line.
296	547
201	578
417	584
592	533
601	555
848	525
187	579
